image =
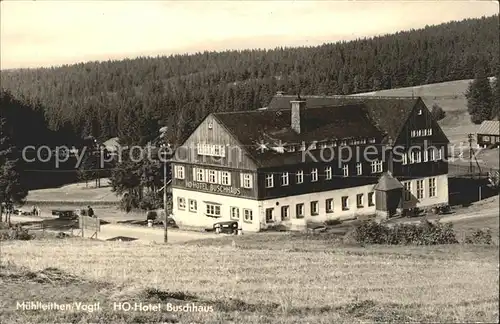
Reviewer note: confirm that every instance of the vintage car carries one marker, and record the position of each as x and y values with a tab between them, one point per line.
227	227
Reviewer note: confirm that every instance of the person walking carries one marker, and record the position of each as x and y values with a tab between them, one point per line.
90	211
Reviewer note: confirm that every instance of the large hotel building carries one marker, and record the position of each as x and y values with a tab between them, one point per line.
310	159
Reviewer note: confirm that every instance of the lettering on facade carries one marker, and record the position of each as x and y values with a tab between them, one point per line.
214	188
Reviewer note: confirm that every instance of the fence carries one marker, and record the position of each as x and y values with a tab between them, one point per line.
460	170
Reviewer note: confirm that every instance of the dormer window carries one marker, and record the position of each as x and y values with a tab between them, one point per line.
343	143
313	146
291	148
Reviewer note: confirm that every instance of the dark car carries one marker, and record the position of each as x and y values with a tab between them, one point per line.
227	227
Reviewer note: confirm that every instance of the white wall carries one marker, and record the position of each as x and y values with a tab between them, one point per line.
441	193
321	197
198	219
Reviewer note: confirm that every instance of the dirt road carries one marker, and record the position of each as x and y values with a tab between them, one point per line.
137	234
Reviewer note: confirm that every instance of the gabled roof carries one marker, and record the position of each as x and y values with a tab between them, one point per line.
489	127
387	182
273	126
389	113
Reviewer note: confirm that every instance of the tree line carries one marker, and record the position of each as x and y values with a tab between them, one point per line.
133	98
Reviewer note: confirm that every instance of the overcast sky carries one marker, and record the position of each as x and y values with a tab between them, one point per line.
44	33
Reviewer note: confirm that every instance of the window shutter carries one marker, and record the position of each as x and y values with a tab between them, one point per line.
241	180
228	178
218	177
194	175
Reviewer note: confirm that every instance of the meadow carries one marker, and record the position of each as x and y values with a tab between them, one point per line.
268	278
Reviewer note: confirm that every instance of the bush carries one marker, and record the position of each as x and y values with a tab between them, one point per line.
479	237
16	233
425	233
437	112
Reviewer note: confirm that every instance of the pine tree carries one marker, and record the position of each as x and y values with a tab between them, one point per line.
479	98
495	111
11	188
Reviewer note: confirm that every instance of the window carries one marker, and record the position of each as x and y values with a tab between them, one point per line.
211	150
299	177
314	208
429	131
284	179
181	203
329	205
269	180
420	111
359	201
440	153
193	207
291	148
314	175
226	178
376	166
313	146
426	155
359	168
299	211
413	157
432	154
407	190
413	133
269	215
420	189
345	170
343	143
328	173
179	171
285	213
247	215
235	213
345	203
405	158
418	157
371	199
200	175
247	180
212	176
432	187
419	132
213	210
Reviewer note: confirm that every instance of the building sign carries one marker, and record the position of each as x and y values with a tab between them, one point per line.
215	188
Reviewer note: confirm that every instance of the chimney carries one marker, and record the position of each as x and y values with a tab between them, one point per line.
297	115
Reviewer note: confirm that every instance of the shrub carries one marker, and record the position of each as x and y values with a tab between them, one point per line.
437	112
16	233
425	233
479	237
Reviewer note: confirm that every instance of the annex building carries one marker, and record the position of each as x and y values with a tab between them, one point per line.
310	159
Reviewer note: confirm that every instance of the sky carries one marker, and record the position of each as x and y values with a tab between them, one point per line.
46	33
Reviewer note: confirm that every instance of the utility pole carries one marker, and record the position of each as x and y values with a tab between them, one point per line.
470	153
163	131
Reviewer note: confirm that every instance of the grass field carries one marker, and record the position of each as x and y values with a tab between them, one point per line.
74	193
269	278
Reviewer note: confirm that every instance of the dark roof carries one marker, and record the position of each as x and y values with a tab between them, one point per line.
389	113
387	182
272	126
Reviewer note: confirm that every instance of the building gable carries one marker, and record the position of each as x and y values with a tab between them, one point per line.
416	126
212	144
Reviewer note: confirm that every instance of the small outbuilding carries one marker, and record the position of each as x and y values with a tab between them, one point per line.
488	134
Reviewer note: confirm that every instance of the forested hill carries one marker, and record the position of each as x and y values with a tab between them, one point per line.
131	97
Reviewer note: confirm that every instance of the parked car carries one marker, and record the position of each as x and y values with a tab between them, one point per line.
227	227
158	215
